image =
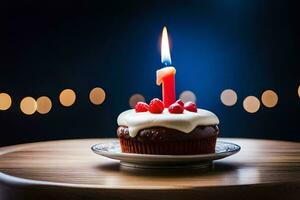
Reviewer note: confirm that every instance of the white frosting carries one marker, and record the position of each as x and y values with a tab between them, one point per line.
185	122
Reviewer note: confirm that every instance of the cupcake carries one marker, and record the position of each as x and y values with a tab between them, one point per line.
167	127
180	129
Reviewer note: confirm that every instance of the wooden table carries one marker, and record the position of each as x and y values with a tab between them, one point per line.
68	169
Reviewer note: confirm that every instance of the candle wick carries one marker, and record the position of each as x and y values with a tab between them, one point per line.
166	63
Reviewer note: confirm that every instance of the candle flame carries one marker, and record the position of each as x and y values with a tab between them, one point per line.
165	48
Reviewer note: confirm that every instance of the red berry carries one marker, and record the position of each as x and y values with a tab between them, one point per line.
180	102
141	107
190	106
156	106
175	108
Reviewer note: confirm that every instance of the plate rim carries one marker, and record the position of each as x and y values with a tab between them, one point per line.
135	155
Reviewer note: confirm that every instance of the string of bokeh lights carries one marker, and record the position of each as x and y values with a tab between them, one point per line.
228	97
43	104
67	98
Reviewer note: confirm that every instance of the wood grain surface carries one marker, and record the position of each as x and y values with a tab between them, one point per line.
68	169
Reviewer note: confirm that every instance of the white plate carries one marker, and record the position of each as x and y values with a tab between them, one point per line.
112	150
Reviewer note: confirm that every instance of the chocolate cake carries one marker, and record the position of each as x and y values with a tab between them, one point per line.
191	131
160	140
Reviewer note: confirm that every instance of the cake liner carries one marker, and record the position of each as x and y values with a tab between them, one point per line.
184	147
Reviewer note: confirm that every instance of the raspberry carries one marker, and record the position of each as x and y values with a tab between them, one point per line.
141	107
180	102
156	106
175	108
190	106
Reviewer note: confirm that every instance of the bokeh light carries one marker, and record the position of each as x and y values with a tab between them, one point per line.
97	96
44	105
228	97
28	105
299	91
5	101
67	97
136	98
187	96
269	98
251	104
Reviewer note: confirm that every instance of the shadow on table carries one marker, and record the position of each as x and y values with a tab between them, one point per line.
216	168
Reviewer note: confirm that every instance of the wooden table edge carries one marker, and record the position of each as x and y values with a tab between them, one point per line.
16	182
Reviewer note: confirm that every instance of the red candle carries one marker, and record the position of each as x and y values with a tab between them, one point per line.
166	75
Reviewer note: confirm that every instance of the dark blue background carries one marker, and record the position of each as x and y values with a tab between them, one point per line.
249	46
